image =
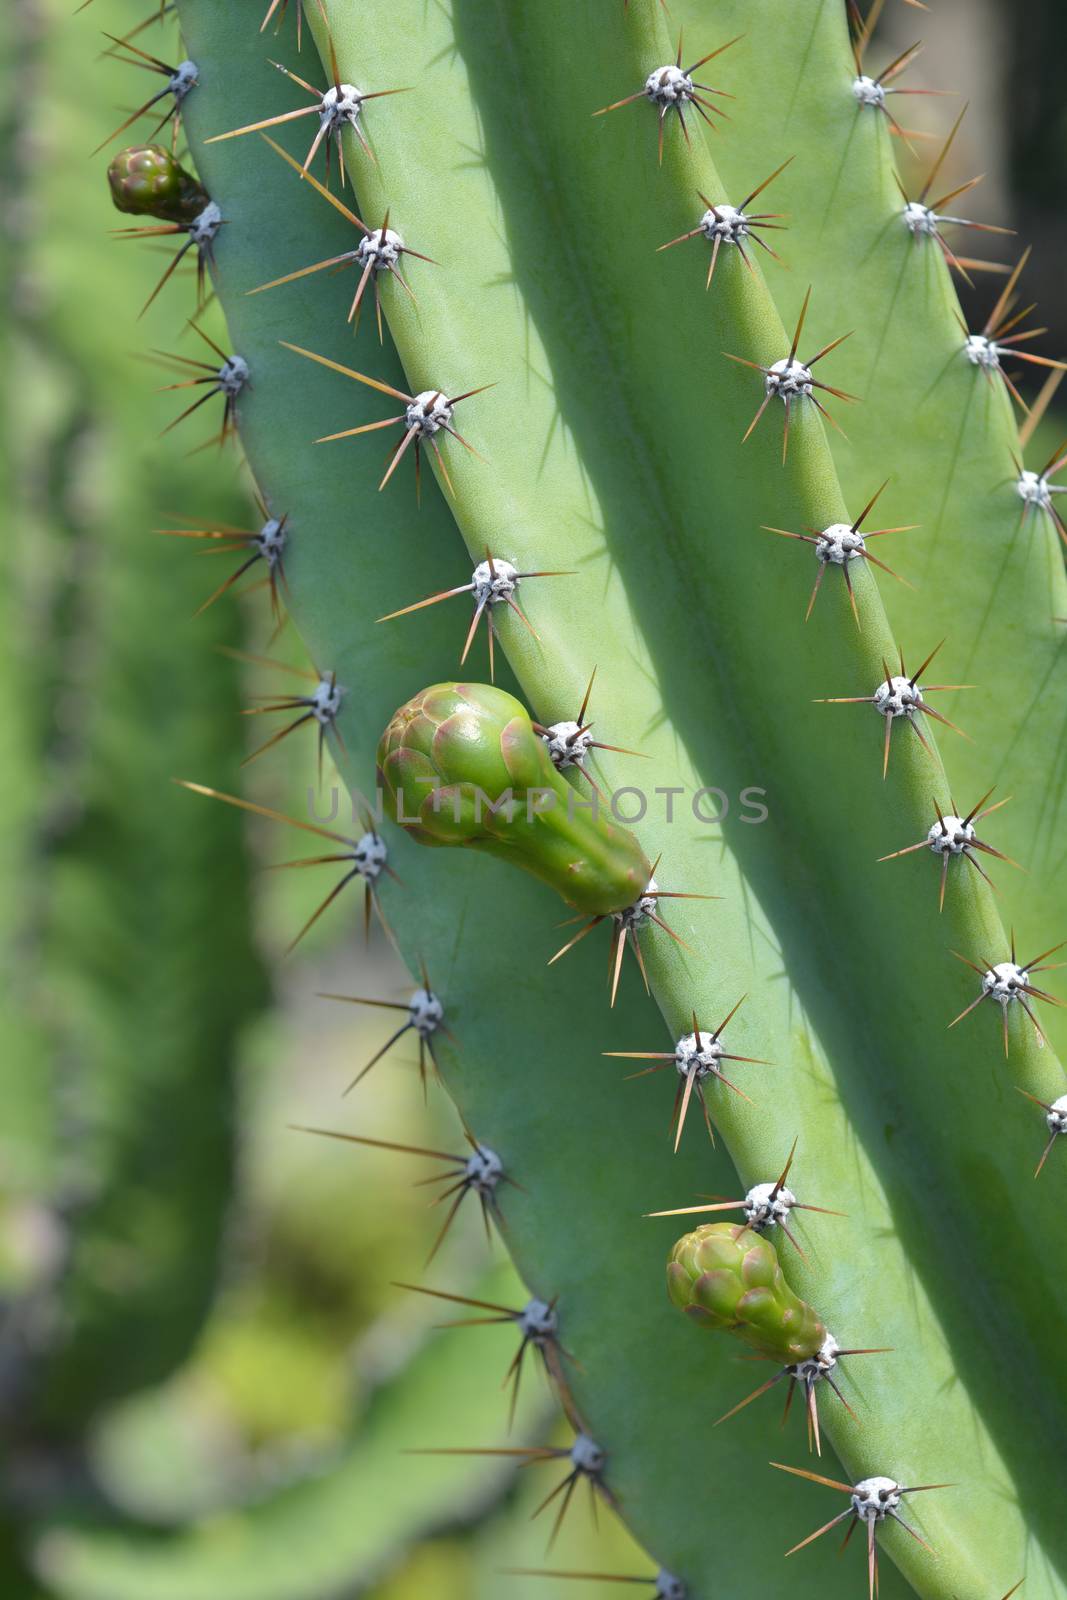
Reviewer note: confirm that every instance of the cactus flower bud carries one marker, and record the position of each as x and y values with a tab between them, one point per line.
726	1276
460	764
146	181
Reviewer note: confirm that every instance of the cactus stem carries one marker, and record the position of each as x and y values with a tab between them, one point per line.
181	80
766	1205
425	1016
726	224
924	217
537	1323
986	350
901	695
791	380
1036	490
587	1460
808	1373
267	543
367	857
337	108
1055	1118
1009	981
841	543
954	836
665	1586
425	414
871	1500
278	8
321	706
871	91
696	1057
569	743
493	582
201	231
625	927
378	251
228	379
673	87
479	1173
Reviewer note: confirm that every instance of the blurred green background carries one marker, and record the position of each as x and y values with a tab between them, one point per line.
207	1380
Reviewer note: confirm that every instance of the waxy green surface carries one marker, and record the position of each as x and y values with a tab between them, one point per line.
612	445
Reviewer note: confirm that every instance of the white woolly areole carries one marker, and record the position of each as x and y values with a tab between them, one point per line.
697	1053
818	1365
764	1207
637	915
429	412
668	86
270	540
725	222
875	1498
340	104
425	1012
370	855
1003	982
484	1169
206	224
1056	1115
492	584
898	697
952	837
789	378
980	351
233	375
383	248
668	1587
325	703
182	79
568	744
919	219
587	1455
1034	489
866	92
839	543
538	1321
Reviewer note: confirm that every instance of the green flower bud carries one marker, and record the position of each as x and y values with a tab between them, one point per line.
146	181
460	764
725	1276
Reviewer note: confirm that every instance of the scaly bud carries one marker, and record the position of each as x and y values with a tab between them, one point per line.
726	1276
461	764
146	181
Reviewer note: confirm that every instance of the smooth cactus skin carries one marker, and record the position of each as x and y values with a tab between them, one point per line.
993	585
460	764
737	671
147	181
699	632
729	1278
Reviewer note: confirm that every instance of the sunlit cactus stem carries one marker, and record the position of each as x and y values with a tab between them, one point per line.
607	442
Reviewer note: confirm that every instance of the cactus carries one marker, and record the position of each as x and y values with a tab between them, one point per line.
649	417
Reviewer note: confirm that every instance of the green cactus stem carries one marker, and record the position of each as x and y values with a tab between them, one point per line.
619	442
